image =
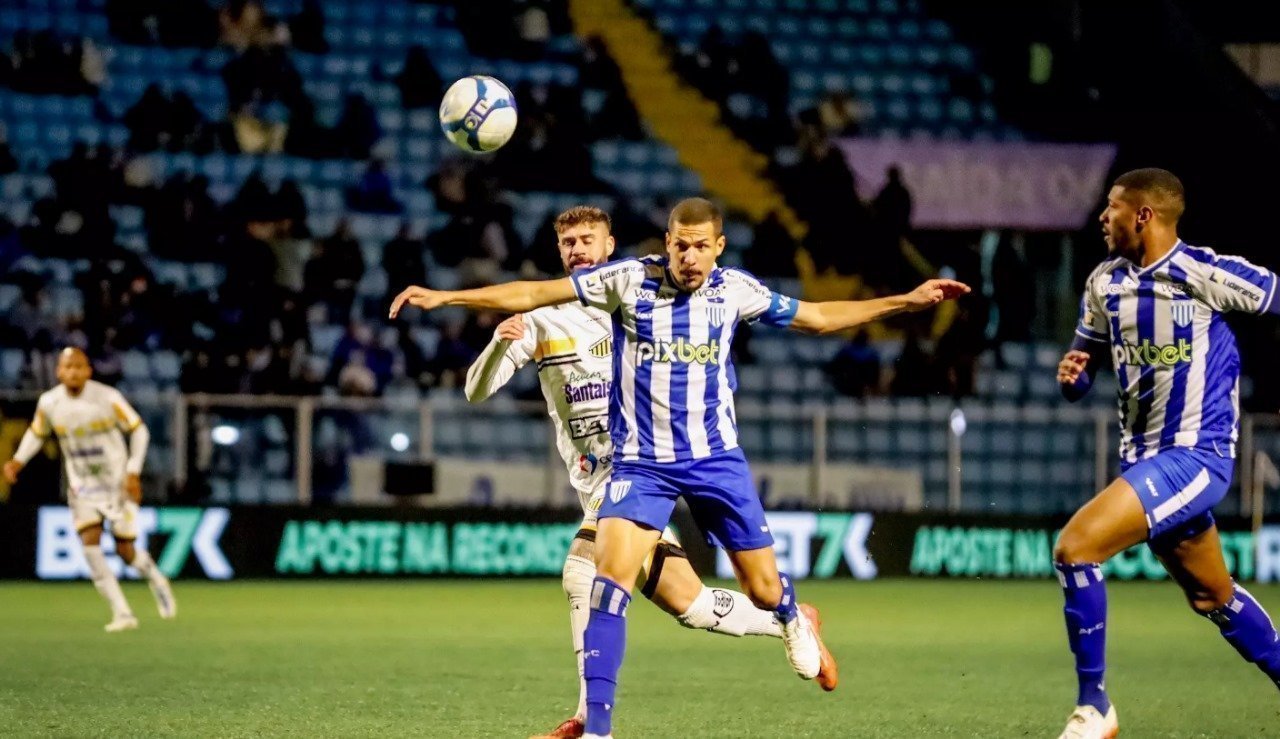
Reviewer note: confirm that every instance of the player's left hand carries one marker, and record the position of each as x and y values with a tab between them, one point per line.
933	292
133	487
417	296
512	329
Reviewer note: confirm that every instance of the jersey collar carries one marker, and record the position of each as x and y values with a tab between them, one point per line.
1162	261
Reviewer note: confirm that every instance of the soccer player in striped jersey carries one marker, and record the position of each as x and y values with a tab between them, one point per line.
572	346
1156	308
90	420
672	422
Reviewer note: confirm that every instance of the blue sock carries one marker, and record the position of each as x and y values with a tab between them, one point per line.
1086	611
1248	628
787	606
604	643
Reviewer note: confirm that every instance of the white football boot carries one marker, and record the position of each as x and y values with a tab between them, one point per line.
163	593
121	623
803	650
1087	723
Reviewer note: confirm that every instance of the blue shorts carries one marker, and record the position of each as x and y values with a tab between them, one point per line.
719	490
1178	489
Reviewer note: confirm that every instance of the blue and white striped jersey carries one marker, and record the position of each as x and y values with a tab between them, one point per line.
673	382
1174	355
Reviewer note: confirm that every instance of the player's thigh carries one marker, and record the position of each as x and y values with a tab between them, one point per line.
91	535
621	547
636	508
1198	567
87	516
672	584
583	547
1110	523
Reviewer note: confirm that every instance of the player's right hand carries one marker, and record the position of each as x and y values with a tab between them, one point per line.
512	329
932	292
11	470
417	296
1073	363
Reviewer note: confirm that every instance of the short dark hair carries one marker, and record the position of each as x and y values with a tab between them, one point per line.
1159	188
692	211
583	214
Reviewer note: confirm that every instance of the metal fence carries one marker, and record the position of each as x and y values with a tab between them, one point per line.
971	457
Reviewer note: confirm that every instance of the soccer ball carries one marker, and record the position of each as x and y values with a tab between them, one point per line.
478	114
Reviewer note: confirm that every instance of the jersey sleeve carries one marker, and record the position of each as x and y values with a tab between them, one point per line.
605	286
1235	284
1093	324
499	361
40	423
126	417
757	303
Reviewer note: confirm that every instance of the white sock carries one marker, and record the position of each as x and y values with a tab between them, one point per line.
106	582
729	612
576	578
146	566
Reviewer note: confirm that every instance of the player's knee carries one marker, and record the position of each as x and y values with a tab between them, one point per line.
576	576
616	569
91	537
1073	548
1207	598
124	548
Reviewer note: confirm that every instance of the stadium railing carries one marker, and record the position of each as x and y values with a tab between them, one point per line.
969	457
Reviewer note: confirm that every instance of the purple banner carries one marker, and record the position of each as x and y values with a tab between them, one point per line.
987	184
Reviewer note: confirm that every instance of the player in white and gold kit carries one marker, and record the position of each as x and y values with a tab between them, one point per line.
572	346
90	421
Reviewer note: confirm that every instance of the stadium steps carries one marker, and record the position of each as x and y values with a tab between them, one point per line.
681	116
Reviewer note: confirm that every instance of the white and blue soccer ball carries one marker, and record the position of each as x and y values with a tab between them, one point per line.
478	114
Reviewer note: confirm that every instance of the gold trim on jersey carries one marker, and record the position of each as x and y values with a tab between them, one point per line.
130	422
552	347
40	425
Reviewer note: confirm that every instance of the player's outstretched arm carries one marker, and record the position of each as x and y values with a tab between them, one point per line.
499	361
838	315
521	296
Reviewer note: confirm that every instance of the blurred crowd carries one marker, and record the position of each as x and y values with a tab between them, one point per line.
254	332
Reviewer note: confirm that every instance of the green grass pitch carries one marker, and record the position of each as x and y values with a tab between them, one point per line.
491	659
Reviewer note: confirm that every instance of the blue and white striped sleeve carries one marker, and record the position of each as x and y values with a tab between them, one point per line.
605	286
1235	284
757	303
1093	317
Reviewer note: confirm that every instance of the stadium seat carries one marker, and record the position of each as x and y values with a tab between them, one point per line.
325	338
135	366
280	492
166	366
11	363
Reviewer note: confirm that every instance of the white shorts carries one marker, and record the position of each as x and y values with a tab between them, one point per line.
590	497
96	510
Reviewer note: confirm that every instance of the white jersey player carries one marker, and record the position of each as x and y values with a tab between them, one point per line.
572	346
90	421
